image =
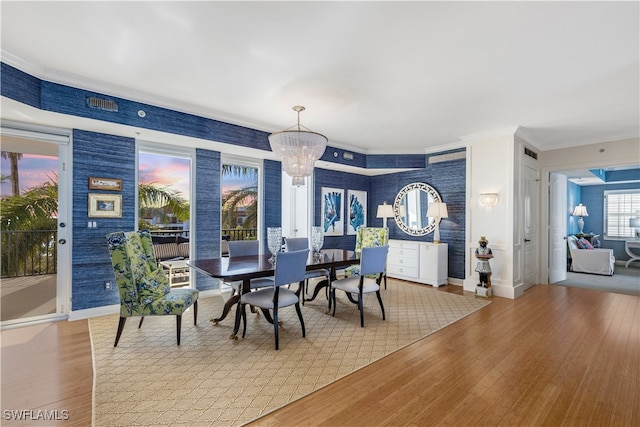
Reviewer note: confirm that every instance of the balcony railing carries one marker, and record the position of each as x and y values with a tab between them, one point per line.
240	233
28	253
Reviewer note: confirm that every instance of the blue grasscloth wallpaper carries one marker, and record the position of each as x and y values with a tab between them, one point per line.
448	178
98	154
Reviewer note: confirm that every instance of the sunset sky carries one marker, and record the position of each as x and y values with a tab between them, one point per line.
161	170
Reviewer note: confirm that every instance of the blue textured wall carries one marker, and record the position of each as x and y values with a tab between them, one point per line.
574	197
96	154
449	179
272	196
207	211
108	156
19	86
345	181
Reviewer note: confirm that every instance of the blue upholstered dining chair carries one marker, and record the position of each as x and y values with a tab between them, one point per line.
238	248
367	237
298	244
144	288
290	268
372	262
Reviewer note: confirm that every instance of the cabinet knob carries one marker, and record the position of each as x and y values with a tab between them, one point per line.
401	261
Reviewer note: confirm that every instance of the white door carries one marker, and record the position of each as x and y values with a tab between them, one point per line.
36	254
531	226
557	228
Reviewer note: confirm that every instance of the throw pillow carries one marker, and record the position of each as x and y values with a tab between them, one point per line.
585	243
579	243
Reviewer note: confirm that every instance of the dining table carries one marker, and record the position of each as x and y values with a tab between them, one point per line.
245	268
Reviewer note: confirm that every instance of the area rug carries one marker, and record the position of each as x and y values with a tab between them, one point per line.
211	380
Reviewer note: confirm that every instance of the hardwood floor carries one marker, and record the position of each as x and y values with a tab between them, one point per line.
556	356
47	367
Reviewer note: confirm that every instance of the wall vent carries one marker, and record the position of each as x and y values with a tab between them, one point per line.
530	153
102	104
447	157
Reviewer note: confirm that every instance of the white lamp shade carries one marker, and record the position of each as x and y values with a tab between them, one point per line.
580	210
437	210
384	211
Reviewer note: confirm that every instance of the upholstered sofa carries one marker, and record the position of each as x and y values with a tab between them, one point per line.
595	261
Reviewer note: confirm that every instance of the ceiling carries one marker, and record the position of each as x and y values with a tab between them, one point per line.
376	77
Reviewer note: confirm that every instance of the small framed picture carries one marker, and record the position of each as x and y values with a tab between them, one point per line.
105	184
105	205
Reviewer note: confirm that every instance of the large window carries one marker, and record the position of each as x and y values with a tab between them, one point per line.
240	199
619	207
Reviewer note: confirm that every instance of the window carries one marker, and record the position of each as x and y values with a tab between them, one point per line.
619	206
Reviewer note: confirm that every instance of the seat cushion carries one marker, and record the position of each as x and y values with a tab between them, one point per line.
264	298
351	285
173	303
316	273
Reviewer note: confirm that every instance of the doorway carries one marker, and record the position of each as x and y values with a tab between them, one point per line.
35	230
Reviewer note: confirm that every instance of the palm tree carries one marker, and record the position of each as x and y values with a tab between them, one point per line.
239	198
13	159
233	201
28	225
159	202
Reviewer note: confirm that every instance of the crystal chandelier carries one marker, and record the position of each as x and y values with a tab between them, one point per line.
298	148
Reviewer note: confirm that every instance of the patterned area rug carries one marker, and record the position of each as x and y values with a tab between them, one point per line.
212	380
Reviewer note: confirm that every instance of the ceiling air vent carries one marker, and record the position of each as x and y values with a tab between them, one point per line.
102	104
530	153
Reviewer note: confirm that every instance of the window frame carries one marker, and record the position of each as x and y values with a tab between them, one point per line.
623	216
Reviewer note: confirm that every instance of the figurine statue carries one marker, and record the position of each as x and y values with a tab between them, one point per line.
484	254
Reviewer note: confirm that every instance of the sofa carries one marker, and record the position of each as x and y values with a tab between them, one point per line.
586	259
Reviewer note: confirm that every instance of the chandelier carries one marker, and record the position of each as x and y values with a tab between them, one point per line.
298	148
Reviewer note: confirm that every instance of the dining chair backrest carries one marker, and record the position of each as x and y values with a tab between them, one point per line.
296	243
373	260
243	248
290	267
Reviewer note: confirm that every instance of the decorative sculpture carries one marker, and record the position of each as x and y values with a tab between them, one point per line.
484	254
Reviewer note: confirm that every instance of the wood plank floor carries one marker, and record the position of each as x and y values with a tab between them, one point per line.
556	356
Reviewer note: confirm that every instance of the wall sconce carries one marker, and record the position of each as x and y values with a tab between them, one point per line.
488	200
384	211
580	211
437	210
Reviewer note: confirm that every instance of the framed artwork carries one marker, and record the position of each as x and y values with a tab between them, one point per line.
105	184
332	217
105	205
357	210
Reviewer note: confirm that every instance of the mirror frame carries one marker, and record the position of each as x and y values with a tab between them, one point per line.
397	203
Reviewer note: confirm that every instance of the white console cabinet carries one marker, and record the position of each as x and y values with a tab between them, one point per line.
422	262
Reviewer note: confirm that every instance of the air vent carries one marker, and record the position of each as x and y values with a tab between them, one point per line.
102	104
530	153
447	157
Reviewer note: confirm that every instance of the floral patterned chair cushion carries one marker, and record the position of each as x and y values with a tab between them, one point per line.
367	237
144	289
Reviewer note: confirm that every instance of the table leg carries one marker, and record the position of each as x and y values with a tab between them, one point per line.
321	284
227	307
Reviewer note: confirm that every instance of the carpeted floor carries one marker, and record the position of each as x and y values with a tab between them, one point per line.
623	281
213	380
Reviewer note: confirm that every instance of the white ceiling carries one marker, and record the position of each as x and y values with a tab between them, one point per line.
378	77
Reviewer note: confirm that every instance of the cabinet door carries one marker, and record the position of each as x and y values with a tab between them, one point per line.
433	263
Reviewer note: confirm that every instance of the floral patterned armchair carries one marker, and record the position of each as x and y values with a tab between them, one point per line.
367	237
144	288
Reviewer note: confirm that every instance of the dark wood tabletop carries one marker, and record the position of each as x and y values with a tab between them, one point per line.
252	267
